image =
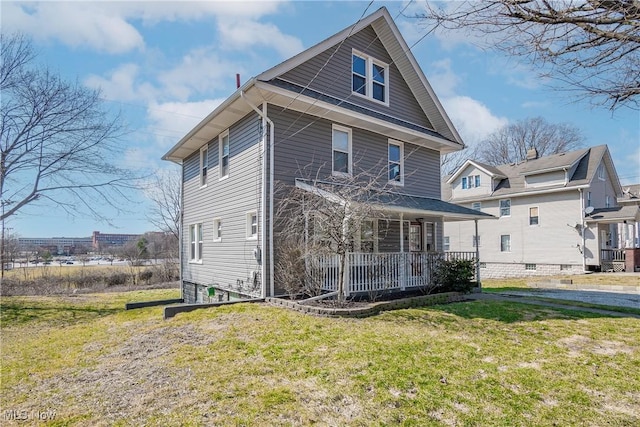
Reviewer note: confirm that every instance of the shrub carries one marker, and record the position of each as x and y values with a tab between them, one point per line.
454	275
116	279
145	275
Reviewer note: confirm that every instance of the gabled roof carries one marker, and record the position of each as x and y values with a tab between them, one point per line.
492	171
400	53
262	89
584	164
615	215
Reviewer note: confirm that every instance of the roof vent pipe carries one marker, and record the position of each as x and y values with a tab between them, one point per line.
237	81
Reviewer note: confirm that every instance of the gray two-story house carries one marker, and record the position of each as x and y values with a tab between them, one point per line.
355	101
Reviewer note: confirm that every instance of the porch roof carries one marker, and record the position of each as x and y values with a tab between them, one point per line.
389	201
615	215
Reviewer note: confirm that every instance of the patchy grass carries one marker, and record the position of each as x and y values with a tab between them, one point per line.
499	285
478	363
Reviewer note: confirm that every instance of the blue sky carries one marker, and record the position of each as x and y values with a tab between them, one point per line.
165	65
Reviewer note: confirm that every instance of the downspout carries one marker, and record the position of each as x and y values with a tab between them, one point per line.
477	257
582	231
180	234
263	269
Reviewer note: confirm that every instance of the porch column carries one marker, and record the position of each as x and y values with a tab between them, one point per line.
401	232
475	221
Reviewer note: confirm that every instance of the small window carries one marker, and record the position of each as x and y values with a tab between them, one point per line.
224	154
368	236
475	241
483	265
505	243
195	242
607	202
252	225
476	206
395	158
601	175
564	267
341	142
505	207
588	199
445	243
465	185
370	77
217	230
533	216
530	267
204	165
477	181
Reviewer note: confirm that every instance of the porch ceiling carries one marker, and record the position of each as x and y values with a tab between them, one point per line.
387	201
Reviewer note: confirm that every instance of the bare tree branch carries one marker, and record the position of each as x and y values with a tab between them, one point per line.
591	46
57	143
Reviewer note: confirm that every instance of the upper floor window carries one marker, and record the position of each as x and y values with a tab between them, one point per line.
195	242
601	172
370	77
607	202
470	181
588	198
505	243
505	207
476	206
533	216
204	165
341	150
396	162
224	154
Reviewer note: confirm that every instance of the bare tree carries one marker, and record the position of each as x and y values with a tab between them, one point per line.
164	192
57	142
510	143
590	45
451	162
320	218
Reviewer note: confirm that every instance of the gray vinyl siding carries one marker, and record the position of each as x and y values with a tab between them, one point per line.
229	263
303	148
335	78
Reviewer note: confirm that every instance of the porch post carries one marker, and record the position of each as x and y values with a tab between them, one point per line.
475	221
401	232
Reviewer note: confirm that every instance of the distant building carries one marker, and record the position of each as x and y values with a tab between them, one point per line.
100	240
55	245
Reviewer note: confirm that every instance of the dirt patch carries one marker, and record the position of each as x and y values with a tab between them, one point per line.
577	344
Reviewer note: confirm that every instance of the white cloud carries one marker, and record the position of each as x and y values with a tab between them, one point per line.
170	121
443	80
472	118
76	24
121	85
241	34
200	70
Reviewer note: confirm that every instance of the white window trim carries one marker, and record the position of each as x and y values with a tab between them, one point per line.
479	206
203	178
446	243
197	256
249	234
347	130
216	223
464	183
220	151
500	208
401	145
369	77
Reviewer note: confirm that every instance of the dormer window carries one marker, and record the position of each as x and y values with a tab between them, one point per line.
471	181
370	77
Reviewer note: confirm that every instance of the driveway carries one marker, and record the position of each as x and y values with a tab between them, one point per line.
627	298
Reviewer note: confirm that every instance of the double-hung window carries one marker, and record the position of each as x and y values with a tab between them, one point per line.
195	242
396	162
341	148
252	225
475	241
204	165
505	243
607	201
533	216
224	154
505	207
370	77
465	183
476	206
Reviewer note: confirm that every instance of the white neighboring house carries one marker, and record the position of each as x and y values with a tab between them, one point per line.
543	204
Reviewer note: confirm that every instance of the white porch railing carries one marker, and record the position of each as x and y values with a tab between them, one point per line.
375	272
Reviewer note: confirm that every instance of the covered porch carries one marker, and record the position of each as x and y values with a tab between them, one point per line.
397	250
615	234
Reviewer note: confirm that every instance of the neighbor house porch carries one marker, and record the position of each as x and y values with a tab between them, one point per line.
615	231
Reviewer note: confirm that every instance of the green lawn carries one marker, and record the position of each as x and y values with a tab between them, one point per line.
475	363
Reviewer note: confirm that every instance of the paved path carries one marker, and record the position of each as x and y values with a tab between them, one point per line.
522	299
